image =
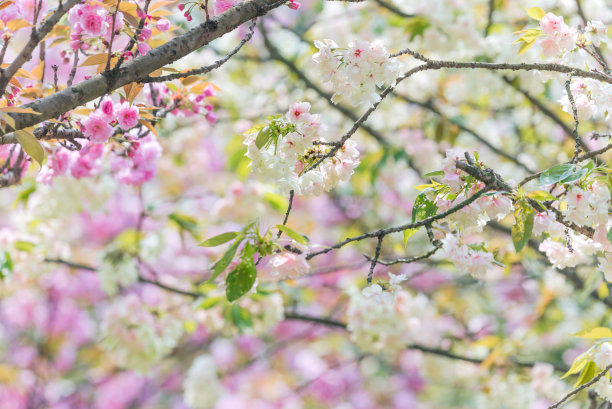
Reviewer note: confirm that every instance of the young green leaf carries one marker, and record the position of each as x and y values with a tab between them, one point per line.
423	208
556	173
577	365
535	13
241	317
30	144
263	137
185	222
523	226
240	280
588	372
219	239
292	234
594	333
6	264
434	174
408	233
227	258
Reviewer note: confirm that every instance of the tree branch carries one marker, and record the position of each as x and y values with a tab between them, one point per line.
140	67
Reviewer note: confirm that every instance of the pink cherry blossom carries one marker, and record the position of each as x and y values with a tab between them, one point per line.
92	22
107	109
163	24
97	129
127	115
551	23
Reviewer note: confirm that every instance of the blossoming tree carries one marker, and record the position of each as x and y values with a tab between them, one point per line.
274	204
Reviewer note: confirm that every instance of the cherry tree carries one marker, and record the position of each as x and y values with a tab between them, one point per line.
275	204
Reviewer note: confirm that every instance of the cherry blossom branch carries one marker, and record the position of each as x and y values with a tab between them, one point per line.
393	9
579	159
575	135
428	105
405	260
289	205
600	59
375	258
141	279
491	178
403	227
140	67
208	68
433	351
548	67
582	387
276	55
36	36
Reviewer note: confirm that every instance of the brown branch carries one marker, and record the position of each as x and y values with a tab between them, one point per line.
581	387
206	69
396	229
140	67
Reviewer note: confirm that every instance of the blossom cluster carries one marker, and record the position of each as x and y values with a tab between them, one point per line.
385	320
183	102
98	127
201	386
135	337
567	45
468	258
134	163
282	152
355	72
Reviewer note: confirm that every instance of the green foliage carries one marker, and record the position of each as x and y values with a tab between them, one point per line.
6	264
523	225
241	279
219	239
185	223
293	234
423	207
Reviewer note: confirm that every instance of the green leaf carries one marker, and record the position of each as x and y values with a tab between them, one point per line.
609	235
577	365
416	26
185	222
523	226
293	234
423	208
588	372
576	175
263	137
219	239
25	246
209	302
535	13
556	173
30	144
408	233
226	259
240	280
525	46
6	264
434	174
278	202
241	317
594	333
540	195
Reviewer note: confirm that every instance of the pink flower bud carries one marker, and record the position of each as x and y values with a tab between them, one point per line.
143	48
163	24
145	34
209	91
